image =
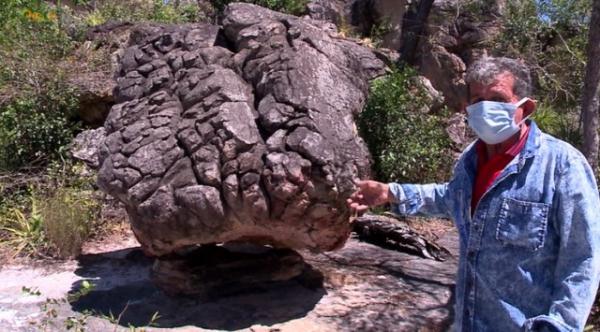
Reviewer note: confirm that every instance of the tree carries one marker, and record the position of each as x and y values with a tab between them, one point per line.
590	102
413	29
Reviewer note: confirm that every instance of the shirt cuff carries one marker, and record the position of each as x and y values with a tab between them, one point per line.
404	199
544	323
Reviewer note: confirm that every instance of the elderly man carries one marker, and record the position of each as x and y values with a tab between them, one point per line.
526	207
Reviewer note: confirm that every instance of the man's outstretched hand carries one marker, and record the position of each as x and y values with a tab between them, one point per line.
369	193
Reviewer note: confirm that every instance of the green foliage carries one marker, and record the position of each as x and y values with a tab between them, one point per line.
548	35
85	288
31	41
35	103
406	144
558	123
144	11
379	30
294	7
31	18
36	129
34	291
23	229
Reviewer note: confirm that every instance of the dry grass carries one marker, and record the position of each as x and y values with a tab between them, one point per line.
68	216
431	228
50	219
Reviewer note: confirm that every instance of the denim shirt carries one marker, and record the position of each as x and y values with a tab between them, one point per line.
530	255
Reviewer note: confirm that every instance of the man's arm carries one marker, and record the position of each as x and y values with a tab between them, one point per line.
406	199
420	199
577	219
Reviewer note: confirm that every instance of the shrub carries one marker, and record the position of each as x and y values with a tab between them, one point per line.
55	223
31	42
35	129
406	144
547	35
53	215
148	11
67	217
558	123
379	30
294	7
36	105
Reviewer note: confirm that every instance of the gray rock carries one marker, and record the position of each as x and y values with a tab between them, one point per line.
255	143
86	145
215	271
455	38
335	11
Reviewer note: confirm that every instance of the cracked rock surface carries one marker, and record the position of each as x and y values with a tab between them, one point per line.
240	133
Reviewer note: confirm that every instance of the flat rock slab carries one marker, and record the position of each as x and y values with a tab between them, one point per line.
364	288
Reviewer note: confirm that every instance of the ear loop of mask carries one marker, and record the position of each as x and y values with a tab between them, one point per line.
519	104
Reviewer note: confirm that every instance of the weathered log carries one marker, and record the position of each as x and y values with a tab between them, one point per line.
390	232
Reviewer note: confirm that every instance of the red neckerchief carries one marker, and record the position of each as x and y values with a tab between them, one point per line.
489	170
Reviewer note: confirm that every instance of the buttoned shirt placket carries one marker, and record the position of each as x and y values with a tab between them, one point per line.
476	227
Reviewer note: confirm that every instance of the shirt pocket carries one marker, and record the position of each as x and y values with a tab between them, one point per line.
522	223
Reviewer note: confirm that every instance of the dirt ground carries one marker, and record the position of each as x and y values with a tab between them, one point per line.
361	287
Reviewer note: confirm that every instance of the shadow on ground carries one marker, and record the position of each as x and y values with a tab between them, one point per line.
123	290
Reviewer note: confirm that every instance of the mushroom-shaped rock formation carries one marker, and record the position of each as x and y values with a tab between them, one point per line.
243	132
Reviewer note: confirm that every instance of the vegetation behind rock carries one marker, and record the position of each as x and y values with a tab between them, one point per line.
550	36
407	143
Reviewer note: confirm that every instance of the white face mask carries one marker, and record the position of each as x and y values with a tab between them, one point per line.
492	121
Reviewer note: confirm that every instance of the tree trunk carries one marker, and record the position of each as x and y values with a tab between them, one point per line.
412	30
591	90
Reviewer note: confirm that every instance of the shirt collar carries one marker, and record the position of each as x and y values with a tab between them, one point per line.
534	140
510	152
531	148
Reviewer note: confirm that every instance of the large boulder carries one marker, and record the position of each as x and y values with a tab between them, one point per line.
240	134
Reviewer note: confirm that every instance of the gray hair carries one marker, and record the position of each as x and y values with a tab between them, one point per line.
486	69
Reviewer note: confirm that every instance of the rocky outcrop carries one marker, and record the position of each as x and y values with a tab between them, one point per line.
367	17
94	90
335	11
362	288
455	34
245	135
